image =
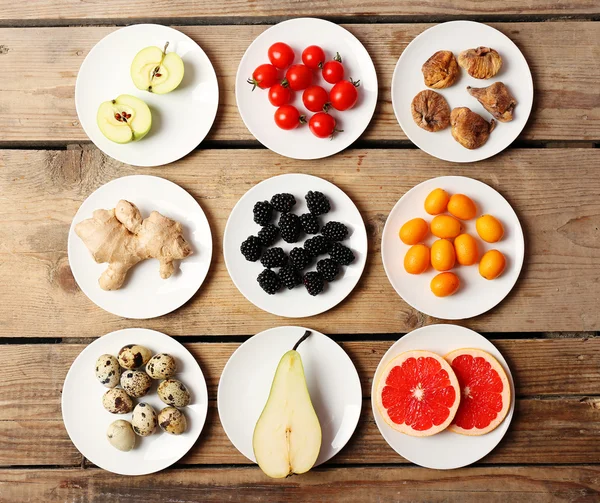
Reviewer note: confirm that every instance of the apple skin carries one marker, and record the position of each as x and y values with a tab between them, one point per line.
134	128
169	75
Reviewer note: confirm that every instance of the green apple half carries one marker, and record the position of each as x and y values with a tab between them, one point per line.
287	435
124	119
156	71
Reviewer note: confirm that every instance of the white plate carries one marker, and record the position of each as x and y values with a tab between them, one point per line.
296	303
446	450
180	119
86	420
257	112
144	294
476	295
457	36
331	378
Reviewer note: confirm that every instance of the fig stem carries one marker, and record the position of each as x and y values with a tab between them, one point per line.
302	339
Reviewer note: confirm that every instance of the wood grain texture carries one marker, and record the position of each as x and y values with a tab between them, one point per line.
558	289
37	95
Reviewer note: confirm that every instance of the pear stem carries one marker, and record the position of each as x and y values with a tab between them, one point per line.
302	339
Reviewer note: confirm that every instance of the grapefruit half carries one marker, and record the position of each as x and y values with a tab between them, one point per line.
418	393
485	391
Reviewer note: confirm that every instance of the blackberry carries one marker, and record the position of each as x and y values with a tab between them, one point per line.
283	202
313	282
334	231
317	202
341	254
309	223
289	226
289	276
317	245
268	235
263	212
251	249
328	269
269	281
299	258
273	257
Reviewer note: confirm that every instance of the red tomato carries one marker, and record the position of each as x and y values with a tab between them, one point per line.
333	71
315	98
288	117
279	95
299	77
322	125
281	55
264	77
313	57
344	95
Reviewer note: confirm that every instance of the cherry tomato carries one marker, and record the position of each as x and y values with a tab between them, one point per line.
333	71
344	95
279	95
299	77
264	77
322	125
313	57
315	98
288	117
281	55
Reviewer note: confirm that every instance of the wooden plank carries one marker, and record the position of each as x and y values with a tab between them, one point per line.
558	290
36	96
519	484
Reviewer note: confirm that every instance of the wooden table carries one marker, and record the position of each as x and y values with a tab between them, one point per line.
547	328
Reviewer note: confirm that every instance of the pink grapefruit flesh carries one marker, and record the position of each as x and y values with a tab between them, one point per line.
485	391
418	393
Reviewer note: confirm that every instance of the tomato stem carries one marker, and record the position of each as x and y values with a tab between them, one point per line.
337	57
335	131
355	83
253	82
303	119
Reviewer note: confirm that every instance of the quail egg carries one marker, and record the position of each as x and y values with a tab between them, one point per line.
172	421
161	366
116	401
144	419
133	356
174	392
108	371
136	383
120	435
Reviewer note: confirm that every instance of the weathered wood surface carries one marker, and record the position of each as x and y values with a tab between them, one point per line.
558	290
37	94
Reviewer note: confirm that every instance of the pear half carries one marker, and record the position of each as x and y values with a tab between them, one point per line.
156	71
287	436
124	119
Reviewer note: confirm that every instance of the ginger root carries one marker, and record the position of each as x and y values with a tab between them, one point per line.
121	238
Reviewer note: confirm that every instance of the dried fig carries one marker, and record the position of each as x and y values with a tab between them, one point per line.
440	70
496	99
430	111
481	63
469	129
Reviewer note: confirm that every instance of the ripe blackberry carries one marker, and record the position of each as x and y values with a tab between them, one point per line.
283	202
341	254
289	276
309	223
273	257
317	245
299	258
269	281
334	231
251	248
268	235
289	226
328	269
313	282
263	212
317	202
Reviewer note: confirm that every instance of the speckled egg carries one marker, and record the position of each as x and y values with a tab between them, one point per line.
136	383
172	421
108	371
174	392
144	419
133	356
161	366
120	435
116	401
